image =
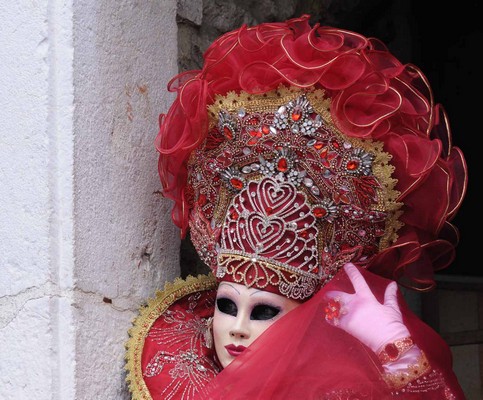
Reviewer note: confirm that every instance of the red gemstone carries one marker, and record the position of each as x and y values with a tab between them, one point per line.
319	212
269	210
318	145
265	129
202	199
304	234
391	350
344	198
332	309
237	183
335	144
282	164
334	304
228	132
352	165
323	153
296	115
234	215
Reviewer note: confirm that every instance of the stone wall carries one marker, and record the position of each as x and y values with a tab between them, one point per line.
85	235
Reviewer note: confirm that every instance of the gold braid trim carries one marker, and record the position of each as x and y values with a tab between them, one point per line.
148	314
293	283
412	372
266	102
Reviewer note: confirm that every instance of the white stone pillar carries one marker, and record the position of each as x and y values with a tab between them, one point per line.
85	236
125	52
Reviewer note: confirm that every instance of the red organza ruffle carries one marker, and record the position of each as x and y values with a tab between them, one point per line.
373	96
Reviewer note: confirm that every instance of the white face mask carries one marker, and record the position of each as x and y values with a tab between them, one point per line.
241	315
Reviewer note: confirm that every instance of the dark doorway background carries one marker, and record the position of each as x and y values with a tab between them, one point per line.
449	49
446	43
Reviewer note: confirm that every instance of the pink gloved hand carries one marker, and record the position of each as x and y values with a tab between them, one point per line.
364	317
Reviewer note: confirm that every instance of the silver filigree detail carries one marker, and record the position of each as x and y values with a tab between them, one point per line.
226	121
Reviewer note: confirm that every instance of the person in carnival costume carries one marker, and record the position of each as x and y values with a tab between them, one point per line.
314	173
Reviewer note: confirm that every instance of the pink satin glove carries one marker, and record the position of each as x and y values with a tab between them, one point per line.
364	317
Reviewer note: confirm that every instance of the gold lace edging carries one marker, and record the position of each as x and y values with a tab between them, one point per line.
414	371
148	314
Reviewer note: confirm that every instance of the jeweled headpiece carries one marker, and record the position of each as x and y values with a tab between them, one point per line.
297	149
281	199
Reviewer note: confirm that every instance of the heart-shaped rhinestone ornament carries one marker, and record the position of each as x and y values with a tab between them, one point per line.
271	221
281	199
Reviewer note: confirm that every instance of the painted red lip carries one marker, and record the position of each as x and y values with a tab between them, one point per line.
234	351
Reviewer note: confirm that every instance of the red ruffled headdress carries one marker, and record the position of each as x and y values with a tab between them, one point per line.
373	97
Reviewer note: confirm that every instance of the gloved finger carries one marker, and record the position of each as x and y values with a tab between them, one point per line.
390	296
357	280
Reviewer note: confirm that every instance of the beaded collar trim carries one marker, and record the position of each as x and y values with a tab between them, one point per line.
282	199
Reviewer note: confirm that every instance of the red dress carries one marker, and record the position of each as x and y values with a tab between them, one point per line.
301	356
